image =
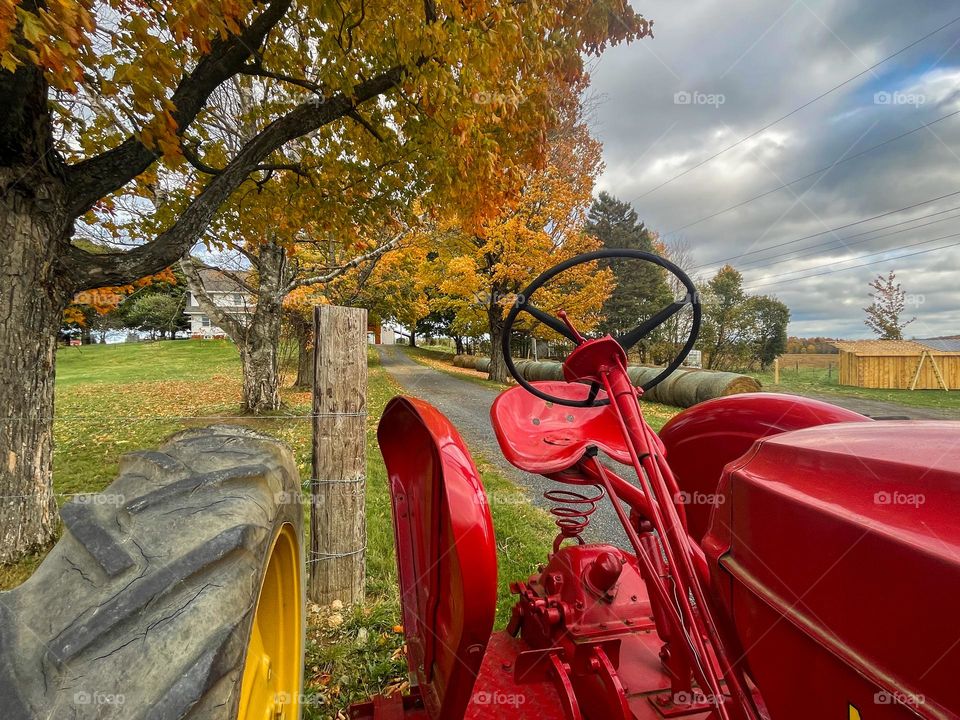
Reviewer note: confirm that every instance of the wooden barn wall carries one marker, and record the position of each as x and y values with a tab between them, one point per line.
848	368
897	372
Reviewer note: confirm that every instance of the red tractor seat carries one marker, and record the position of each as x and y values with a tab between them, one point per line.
544	438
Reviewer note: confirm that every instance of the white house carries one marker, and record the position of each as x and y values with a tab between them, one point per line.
226	293
381	335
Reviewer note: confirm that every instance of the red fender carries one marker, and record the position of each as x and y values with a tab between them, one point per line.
701	440
446	552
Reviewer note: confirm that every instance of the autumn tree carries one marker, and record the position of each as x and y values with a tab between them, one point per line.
275	274
386	281
542	226
107	99
884	313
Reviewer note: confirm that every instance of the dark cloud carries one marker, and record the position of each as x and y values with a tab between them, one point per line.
718	71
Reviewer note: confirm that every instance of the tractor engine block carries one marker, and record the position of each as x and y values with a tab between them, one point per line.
592	630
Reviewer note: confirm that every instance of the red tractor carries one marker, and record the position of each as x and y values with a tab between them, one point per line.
787	559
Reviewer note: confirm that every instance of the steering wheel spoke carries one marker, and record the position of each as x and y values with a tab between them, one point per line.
555	324
628	340
592	395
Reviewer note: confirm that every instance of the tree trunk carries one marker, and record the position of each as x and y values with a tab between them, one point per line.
261	380
458	342
413	338
498	368
305	356
259	339
33	296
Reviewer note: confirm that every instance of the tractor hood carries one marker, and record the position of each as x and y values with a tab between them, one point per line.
836	553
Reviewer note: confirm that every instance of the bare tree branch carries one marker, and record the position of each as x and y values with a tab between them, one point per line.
90	271
358	260
92	179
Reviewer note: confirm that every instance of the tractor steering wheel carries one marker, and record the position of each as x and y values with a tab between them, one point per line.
626	341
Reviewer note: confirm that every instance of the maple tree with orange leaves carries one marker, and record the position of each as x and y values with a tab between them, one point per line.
112	109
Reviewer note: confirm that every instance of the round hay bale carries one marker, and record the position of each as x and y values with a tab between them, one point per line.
682	388
545	370
663	392
699	385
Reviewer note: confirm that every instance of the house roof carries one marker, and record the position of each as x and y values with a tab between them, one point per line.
890	348
949	343
218	281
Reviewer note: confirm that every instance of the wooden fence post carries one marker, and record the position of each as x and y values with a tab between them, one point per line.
776	371
338	532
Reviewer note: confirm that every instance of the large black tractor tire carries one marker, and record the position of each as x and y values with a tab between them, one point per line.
144	609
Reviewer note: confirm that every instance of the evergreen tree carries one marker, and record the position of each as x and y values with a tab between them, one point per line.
641	288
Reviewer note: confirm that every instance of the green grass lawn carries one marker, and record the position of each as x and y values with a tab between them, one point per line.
115	398
824	381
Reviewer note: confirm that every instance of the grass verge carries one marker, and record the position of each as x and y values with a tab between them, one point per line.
825	381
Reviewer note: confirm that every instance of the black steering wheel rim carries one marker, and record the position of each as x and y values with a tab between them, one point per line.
522	303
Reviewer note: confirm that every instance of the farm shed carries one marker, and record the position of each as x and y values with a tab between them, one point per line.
894	364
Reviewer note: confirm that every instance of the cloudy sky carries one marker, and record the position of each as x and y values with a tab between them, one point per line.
719	71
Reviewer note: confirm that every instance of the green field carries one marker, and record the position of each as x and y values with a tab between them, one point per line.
825	381
115	398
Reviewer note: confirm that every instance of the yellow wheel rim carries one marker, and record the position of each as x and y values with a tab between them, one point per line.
272	674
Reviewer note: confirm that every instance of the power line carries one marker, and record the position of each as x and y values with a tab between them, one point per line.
861	257
844	245
795	110
830	230
872	262
815	172
854	267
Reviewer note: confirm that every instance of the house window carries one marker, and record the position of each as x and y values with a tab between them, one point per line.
205	321
237	299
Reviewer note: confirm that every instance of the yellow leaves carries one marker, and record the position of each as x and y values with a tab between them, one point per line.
73	315
50	37
30	25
